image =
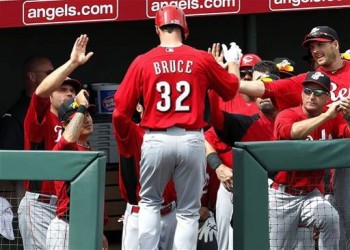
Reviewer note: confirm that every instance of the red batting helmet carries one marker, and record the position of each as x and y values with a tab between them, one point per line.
249	60
171	14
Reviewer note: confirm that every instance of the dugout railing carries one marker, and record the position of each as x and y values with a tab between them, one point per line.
86	172
253	162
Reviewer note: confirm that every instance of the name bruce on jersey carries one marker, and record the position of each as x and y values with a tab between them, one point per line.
173	66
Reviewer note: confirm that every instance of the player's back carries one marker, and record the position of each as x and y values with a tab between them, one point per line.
175	83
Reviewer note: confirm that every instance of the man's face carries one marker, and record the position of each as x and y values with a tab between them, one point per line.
265	105
87	127
313	102
246	73
60	95
324	53
40	70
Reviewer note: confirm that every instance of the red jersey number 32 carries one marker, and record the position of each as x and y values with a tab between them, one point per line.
164	89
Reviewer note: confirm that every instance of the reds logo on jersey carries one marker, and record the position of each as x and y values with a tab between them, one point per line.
342	93
59	131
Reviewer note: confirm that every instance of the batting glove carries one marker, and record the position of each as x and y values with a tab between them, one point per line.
208	230
234	54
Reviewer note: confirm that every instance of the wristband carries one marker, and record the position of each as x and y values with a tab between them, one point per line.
213	160
82	109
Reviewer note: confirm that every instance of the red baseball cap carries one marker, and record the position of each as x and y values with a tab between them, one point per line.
320	34
74	83
249	60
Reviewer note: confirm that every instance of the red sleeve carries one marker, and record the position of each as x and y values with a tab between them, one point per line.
283	124
130	143
285	93
35	119
126	98
216	114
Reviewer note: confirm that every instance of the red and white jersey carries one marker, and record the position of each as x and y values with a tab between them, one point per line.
286	93
331	129
129	147
42	130
173	83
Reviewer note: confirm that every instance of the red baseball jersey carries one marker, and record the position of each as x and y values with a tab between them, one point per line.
62	188
129	166
231	128
173	83
239	106
331	129
42	130
286	93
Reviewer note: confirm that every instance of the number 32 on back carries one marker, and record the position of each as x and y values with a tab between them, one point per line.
163	88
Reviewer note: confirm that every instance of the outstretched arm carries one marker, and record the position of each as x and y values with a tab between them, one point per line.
78	57
252	88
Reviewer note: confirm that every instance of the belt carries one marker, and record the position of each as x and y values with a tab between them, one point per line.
288	189
173	129
44	199
163	210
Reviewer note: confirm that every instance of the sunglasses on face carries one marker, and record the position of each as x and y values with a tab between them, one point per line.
245	72
316	92
319	35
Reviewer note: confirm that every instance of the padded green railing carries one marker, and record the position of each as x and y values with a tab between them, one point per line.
86	172
253	162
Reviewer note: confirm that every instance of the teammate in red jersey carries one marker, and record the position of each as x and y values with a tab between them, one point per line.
294	196
173	80
77	124
129	186
227	129
323	44
42	131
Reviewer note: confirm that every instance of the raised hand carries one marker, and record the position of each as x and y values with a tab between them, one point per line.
78	54
234	54
218	54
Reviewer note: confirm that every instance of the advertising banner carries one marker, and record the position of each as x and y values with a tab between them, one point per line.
17	13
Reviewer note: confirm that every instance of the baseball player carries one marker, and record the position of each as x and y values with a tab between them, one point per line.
129	186
227	129
294	196
173	79
242	103
42	131
77	125
323	44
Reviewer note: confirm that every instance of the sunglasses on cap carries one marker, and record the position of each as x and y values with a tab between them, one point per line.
319	34
345	56
316	92
245	72
285	67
